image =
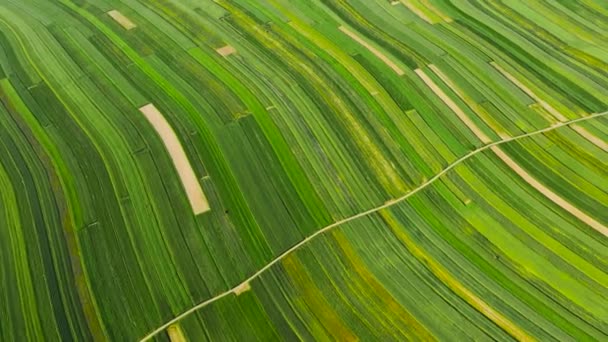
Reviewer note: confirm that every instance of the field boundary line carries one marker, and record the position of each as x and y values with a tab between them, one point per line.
387	204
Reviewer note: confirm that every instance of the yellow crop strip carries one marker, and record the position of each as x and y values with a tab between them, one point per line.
447	278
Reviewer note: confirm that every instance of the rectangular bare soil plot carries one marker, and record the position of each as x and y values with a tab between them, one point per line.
195	194
120	18
226	51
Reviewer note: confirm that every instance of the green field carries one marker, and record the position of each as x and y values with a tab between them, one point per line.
263	170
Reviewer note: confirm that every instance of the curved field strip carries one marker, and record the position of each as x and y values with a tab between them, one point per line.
309	170
193	190
237	290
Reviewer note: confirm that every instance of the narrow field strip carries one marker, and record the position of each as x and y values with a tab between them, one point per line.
453	106
555	198
416	10
120	18
122	122
529	92
373	50
416	7
447	277
195	194
244	284
467	100
437	11
550	109
592	138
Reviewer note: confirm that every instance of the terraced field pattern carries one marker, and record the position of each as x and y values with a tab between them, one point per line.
283	170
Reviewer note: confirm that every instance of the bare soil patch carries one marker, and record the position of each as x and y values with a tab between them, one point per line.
195	194
226	50
120	18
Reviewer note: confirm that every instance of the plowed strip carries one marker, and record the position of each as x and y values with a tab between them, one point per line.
529	92
555	198
337	224
372	49
120	18
592	138
453	106
226	50
195	194
511	163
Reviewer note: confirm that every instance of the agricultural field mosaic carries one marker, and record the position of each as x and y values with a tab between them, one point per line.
283	170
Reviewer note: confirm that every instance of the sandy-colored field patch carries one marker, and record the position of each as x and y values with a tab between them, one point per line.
555	198
225	51
550	109
592	138
120	18
453	106
195	194
372	49
529	92
176	334
475	107
447	80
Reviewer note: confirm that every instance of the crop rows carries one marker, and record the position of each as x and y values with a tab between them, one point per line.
314	170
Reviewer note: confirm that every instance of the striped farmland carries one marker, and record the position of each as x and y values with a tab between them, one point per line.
237	170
